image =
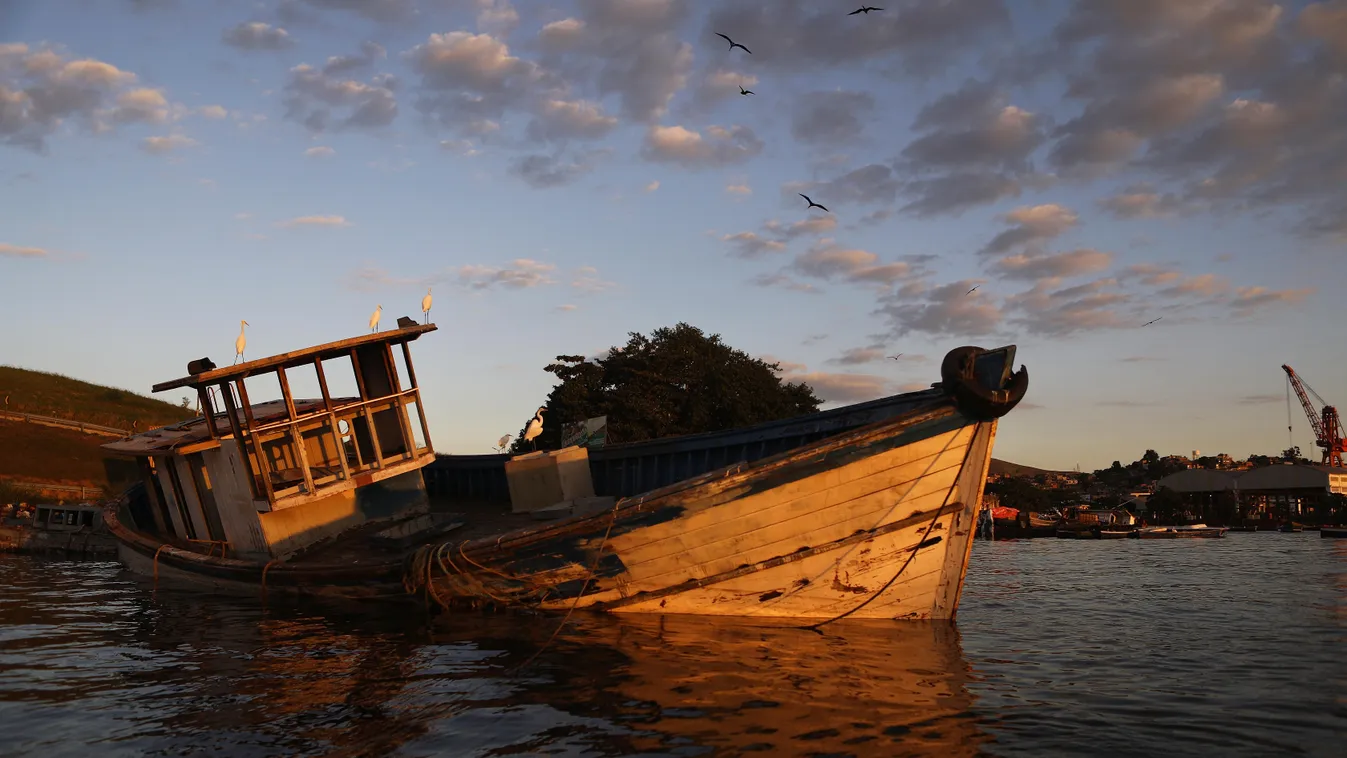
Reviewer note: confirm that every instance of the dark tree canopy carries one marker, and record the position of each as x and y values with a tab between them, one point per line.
676	381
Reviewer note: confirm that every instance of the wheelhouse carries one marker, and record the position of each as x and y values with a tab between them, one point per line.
265	479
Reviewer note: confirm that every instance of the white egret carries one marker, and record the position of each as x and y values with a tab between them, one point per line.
534	428
240	343
425	305
374	319
502	442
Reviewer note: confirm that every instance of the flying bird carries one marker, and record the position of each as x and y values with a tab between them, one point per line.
969	292
864	9
425	305
240	343
1152	321
743	91
374	318
895	357
734	44
812	204
534	428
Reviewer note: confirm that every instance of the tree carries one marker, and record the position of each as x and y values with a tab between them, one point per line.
676	381
1150	457
1291	454
1019	494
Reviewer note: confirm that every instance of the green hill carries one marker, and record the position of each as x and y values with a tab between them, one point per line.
37	453
24	391
1006	468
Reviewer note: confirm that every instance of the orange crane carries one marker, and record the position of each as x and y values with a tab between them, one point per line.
1326	424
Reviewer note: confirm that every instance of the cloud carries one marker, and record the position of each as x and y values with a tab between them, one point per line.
1053	311
375	10
1140	359
858	356
917	37
872	184
842	388
942	311
369	53
782	281
521	273
337	221
806	227
320	151
546	171
567	308
469	81
215	112
41	89
587	280
975	150
830	117
688	148
161	145
631	50
1250	299
560	120
751	245
1031	225
255	35
15	251
1141	201
719	85
1034	266
828	261
1259	399
739	189
323	101
651	187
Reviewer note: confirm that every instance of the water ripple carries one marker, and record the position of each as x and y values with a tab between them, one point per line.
1228	647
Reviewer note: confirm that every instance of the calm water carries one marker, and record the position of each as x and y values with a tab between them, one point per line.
1228	647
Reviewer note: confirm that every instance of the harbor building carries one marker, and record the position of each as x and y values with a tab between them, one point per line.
1268	494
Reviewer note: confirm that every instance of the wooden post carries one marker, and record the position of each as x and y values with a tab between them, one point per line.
364	410
243	440
262	463
208	411
296	438
420	409
404	423
332	422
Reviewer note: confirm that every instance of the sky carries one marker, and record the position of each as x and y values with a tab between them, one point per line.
562	174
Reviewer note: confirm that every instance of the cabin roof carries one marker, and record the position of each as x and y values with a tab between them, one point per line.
166	439
294	358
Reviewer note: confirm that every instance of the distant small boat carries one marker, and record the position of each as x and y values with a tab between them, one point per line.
72	530
1290	527
1082	522
1180	532
1116	532
1333	531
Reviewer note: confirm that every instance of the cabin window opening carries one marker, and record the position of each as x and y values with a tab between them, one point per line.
179	497
160	503
205	494
43	515
414	421
87	518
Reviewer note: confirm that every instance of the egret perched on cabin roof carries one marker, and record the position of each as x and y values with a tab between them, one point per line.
425	305
503	441
374	318
240	343
535	427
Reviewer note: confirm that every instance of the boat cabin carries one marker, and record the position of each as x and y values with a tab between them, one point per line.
68	518
261	480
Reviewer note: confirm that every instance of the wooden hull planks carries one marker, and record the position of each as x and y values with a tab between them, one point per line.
876	524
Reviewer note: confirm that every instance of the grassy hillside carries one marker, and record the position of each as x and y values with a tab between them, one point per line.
63	397
1006	468
35	453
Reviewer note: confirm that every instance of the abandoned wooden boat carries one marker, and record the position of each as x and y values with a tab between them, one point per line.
1084	522
326	496
1335	532
873	522
1193	531
75	530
